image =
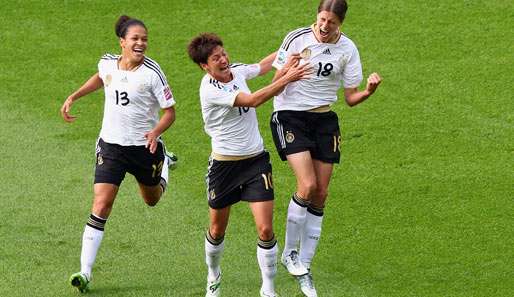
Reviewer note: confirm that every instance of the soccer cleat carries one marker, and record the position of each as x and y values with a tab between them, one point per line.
80	281
213	287
293	264
269	294
307	285
172	160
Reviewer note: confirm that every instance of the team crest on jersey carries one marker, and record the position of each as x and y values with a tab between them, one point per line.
306	54
212	194
108	79
99	159
289	136
141	88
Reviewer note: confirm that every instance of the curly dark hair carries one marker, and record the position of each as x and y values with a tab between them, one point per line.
201	47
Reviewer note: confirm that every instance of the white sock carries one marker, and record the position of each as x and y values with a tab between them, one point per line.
267	259
91	240
165	173
294	226
213	255
310	238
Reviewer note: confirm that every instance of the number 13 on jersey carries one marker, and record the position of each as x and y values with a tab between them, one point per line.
122	98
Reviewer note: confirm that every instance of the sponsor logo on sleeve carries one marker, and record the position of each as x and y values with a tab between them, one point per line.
167	93
281	57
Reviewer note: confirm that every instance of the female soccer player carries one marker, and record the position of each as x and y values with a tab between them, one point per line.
135	90
305	130
239	167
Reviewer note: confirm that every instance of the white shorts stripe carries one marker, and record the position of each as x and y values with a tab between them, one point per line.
211	160
280	130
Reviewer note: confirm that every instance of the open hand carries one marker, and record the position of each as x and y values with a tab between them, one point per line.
298	72
65	109
151	141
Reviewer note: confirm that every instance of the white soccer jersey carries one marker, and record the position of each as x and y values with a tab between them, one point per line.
334	65
132	100
234	131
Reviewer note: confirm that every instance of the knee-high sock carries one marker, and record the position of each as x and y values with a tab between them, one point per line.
91	240
311	235
296	213
165	173
213	253
267	258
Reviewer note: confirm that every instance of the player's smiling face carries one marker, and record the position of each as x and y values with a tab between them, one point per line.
327	27
218	65
134	43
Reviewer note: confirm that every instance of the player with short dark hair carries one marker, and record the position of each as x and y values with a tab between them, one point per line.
136	90
239	166
306	132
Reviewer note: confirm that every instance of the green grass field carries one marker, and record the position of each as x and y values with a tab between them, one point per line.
421	206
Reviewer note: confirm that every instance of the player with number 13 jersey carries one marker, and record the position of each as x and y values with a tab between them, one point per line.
136	91
133	100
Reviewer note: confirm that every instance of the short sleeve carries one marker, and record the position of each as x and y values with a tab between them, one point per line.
214	93
104	64
162	90
280	59
101	70
288	46
247	71
352	73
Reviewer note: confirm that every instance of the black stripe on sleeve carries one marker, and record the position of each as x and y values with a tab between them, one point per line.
293	35
156	70
236	65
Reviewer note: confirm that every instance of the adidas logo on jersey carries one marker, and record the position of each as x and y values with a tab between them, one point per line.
327	52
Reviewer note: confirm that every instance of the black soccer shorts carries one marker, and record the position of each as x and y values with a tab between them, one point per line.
229	182
299	131
114	160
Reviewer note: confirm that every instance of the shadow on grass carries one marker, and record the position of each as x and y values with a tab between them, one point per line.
145	290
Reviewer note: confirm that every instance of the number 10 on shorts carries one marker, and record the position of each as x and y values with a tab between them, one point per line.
268	181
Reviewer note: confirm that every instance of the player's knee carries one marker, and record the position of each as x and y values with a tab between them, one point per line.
102	207
307	189
151	200
265	232
151	197
216	232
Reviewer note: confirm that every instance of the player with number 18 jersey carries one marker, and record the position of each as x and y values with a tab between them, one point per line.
306	131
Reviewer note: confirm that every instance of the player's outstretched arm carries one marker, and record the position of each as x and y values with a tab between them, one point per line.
92	84
167	118
292	61
266	63
353	96
255	99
